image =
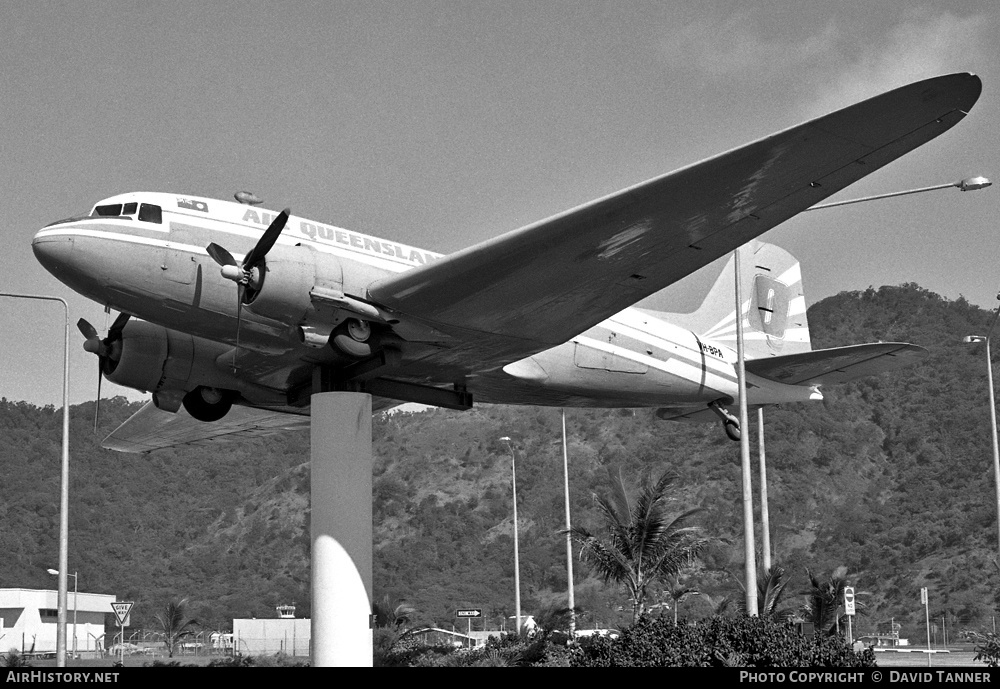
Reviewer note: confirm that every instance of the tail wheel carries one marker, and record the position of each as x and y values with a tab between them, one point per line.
732	430
208	404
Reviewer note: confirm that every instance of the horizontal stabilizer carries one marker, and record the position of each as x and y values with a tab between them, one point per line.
836	365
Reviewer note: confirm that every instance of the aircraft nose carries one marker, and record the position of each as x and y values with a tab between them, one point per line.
52	251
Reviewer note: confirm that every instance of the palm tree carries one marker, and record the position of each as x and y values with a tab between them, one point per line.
393	617
771	585
824	600
677	593
642	543
175	624
390	626
556	617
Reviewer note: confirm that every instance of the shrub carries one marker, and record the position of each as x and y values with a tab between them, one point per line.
988	649
718	641
14	659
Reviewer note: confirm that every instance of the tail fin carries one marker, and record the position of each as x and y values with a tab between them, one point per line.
774	305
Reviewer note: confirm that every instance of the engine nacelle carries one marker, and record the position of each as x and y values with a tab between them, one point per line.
144	352
290	274
154	358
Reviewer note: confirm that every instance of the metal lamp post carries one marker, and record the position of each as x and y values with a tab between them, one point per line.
750	575
517	564
993	409
75	602
749	554
569	537
64	484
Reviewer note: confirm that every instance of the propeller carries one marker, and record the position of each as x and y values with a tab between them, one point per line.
108	351
247	275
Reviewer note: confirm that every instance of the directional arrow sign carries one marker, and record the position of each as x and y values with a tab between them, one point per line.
121	612
475	612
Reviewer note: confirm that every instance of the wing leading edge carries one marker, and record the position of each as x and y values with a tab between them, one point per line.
533	288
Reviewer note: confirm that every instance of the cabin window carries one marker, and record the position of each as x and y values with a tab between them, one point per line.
110	211
150	213
129	208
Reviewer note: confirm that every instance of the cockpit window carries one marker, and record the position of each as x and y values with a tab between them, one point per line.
150	213
110	211
147	211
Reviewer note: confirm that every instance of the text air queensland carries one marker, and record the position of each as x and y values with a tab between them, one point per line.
351	239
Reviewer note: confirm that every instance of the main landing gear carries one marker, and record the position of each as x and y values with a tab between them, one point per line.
729	422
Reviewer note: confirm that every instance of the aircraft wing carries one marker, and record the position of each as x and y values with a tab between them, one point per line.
152	429
836	365
509	297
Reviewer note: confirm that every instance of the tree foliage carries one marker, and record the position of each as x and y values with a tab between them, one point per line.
642	544
175	623
888	475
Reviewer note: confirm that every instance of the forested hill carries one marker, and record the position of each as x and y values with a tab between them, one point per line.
891	476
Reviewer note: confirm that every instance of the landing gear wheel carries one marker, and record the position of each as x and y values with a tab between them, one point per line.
208	404
732	430
354	338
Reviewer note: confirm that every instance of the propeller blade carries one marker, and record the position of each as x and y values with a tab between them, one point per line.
240	290
86	328
97	405
266	241
220	255
115	332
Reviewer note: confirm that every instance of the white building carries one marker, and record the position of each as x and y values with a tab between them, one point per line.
29	620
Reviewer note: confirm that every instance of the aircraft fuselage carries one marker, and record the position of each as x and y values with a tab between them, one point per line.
145	254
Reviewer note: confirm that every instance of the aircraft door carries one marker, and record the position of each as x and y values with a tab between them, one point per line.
180	263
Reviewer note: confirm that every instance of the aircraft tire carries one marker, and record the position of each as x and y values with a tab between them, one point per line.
198	404
732	430
352	347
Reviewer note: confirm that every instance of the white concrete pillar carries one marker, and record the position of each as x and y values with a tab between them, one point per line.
341	528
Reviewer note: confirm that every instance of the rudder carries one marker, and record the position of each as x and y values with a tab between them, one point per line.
774	306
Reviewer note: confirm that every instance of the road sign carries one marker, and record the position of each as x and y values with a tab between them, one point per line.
923	595
121	612
849	600
474	612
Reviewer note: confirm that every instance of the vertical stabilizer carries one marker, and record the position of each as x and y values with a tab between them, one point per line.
774	305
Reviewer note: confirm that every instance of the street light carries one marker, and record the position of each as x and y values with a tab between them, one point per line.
569	536
993	409
749	554
750	576
55	572
517	564
64	485
967	184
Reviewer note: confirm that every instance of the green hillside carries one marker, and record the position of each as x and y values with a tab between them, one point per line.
891	477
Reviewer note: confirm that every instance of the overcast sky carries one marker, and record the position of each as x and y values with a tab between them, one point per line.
441	124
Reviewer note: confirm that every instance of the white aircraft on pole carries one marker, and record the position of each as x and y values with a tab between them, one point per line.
232	315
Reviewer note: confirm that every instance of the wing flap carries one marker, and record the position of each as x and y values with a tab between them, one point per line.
836	365
153	429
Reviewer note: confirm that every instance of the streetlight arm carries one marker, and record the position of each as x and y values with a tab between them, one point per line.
63	482
967	184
